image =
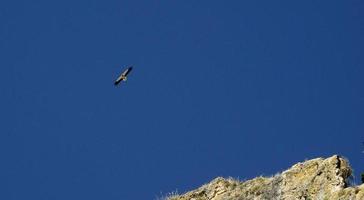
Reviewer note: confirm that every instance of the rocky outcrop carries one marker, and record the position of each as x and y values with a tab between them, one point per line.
321	179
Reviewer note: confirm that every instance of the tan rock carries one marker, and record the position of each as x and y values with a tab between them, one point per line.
316	179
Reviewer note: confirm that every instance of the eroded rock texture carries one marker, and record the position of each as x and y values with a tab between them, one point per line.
321	179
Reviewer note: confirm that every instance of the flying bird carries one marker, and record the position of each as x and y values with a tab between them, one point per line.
123	76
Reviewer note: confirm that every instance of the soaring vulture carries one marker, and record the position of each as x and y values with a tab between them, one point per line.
123	75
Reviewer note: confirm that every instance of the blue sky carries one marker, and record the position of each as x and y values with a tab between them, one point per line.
238	88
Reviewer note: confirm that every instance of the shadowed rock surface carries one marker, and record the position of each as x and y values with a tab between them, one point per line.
321	179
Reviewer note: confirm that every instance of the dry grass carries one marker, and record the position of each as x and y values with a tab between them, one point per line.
169	196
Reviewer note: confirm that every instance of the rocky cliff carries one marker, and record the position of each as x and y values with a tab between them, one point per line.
321	179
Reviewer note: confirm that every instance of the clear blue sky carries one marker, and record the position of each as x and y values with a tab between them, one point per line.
219	88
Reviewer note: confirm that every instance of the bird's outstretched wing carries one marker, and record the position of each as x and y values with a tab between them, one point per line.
127	71
118	80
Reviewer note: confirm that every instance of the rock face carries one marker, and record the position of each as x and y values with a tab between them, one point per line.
321	179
